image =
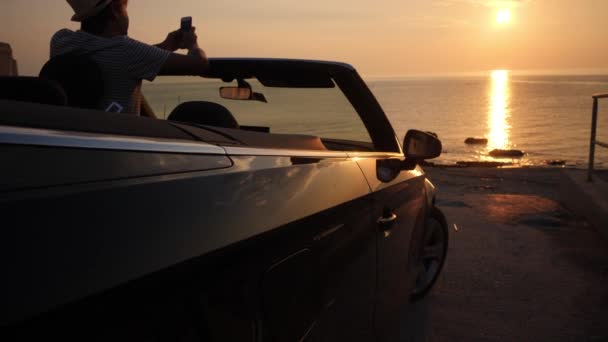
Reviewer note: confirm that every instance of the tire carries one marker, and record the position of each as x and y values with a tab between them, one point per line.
431	254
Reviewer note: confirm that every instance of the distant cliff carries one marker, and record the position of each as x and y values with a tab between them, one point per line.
8	65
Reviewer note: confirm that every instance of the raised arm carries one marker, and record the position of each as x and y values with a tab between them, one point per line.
194	63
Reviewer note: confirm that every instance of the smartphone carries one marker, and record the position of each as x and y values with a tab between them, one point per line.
186	24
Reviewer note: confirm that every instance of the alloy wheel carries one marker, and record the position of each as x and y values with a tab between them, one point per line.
432	255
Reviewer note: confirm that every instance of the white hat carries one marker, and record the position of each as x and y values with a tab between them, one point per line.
84	9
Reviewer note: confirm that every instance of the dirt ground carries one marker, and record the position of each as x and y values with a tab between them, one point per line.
520	267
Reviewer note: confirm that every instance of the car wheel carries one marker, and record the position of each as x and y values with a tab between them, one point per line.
432	255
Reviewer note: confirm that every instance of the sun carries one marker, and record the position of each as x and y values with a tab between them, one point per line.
503	16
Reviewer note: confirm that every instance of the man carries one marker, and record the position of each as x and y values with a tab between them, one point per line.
125	62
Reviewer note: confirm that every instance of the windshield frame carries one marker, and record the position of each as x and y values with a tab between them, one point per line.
345	77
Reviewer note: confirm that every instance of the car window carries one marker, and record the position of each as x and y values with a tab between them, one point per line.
322	112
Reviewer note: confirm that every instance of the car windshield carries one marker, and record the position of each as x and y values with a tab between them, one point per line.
322	112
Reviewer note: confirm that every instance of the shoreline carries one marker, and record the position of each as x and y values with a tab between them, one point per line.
499	165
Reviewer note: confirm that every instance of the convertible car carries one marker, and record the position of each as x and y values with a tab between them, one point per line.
279	205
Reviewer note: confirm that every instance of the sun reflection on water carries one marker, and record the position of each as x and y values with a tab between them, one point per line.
499	111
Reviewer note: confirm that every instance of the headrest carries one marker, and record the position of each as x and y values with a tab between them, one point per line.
32	89
204	113
79	76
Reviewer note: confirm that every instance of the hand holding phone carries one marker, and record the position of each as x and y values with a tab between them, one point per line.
186	24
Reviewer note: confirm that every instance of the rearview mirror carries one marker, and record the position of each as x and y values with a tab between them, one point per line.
241	93
236	93
420	145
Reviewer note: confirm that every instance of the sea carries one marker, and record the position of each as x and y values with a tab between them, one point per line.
548	117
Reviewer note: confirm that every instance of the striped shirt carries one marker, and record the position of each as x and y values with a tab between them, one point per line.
124	63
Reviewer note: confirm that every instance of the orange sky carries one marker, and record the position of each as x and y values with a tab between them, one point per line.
380	38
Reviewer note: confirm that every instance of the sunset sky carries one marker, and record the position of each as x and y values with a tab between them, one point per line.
381	38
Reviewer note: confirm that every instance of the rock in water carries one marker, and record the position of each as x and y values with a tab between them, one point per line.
488	164
476	141
507	153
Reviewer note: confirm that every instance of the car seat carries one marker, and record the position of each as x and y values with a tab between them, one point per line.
32	89
204	113
79	76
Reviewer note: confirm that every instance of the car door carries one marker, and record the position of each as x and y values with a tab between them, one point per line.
398	210
246	244
317	265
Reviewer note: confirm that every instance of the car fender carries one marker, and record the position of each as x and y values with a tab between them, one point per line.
430	193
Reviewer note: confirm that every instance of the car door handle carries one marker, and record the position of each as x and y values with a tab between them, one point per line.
386	222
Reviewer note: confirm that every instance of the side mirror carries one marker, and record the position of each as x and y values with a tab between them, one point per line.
419	146
388	169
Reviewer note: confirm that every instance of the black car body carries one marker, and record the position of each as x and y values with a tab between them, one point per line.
122	227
